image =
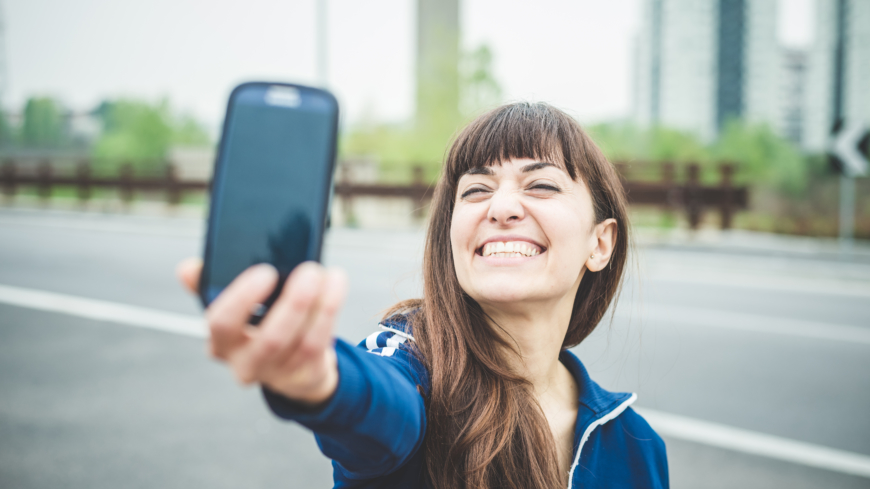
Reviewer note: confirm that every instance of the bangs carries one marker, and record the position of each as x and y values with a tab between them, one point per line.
522	130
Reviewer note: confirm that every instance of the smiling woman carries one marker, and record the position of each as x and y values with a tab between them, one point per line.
471	386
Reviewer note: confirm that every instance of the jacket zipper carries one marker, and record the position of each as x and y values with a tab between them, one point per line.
598	422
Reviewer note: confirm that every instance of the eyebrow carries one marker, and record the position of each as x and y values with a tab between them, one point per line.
479	170
485	170
536	166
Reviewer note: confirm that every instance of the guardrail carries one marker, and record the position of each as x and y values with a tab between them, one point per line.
689	196
126	182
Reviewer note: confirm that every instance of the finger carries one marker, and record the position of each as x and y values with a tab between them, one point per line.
318	336
188	271
308	372
229	313
285	320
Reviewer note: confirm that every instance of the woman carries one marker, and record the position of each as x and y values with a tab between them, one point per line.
472	385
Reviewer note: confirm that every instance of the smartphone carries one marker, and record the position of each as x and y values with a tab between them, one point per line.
272	183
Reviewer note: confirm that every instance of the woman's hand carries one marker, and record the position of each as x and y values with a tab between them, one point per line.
291	352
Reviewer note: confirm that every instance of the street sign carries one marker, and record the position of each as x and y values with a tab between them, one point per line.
849	147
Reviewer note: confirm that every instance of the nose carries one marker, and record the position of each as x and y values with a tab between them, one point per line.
505	207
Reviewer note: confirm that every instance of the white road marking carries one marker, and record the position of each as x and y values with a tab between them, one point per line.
671	425
133	225
755	323
729	438
142	317
816	286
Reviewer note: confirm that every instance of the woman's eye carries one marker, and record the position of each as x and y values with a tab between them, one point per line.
545	187
475	190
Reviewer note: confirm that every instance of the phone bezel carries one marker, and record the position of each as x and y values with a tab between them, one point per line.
217	175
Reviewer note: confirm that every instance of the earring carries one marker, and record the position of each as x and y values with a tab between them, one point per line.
591	256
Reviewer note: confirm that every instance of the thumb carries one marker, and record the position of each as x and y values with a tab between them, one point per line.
188	271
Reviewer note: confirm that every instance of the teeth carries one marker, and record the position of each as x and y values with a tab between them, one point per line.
509	249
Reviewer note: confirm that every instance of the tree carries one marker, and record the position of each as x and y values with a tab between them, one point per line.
425	142
141	134
478	88
7	135
629	142
43	123
763	157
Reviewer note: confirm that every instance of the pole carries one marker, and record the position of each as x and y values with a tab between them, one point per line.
847	212
847	181
322	44
4	75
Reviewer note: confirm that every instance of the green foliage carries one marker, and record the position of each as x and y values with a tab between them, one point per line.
666	144
189	132
43	123
8	136
629	142
479	90
141	134
392	145
619	141
763	157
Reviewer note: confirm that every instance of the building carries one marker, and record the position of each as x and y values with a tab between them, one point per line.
792	95
700	63
844	24
437	66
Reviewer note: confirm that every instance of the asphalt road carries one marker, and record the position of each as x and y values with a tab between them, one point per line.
96	404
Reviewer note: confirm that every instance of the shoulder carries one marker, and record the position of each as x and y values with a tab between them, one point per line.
392	334
643	436
393	340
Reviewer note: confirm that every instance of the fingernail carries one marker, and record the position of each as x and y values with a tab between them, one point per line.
311	274
263	273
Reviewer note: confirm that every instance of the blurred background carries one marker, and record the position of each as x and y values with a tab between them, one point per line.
739	127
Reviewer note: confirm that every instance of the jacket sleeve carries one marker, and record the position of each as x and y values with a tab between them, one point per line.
375	420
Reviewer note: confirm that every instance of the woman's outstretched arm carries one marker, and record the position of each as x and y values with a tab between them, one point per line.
365	409
376	419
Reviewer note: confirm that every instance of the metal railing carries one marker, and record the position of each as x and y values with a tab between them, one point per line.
688	196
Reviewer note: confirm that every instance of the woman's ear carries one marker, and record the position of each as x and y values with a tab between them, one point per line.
604	239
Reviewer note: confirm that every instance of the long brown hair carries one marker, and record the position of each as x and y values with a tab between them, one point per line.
485	430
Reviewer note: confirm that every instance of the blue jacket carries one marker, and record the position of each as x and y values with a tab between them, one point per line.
373	426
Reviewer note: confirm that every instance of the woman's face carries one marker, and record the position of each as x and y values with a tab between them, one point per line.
521	234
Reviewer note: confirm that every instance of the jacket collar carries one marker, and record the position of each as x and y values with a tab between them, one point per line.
594	400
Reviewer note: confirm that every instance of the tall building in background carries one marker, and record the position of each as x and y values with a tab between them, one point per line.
821	87
792	95
700	63
437	65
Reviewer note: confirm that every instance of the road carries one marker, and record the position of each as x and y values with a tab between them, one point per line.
771	342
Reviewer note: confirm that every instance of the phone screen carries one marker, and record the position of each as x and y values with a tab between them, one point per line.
272	182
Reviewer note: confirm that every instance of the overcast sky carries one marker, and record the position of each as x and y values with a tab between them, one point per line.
575	54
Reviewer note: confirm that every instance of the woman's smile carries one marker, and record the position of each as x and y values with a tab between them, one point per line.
506	250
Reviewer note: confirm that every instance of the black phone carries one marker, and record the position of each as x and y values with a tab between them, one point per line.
272	183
